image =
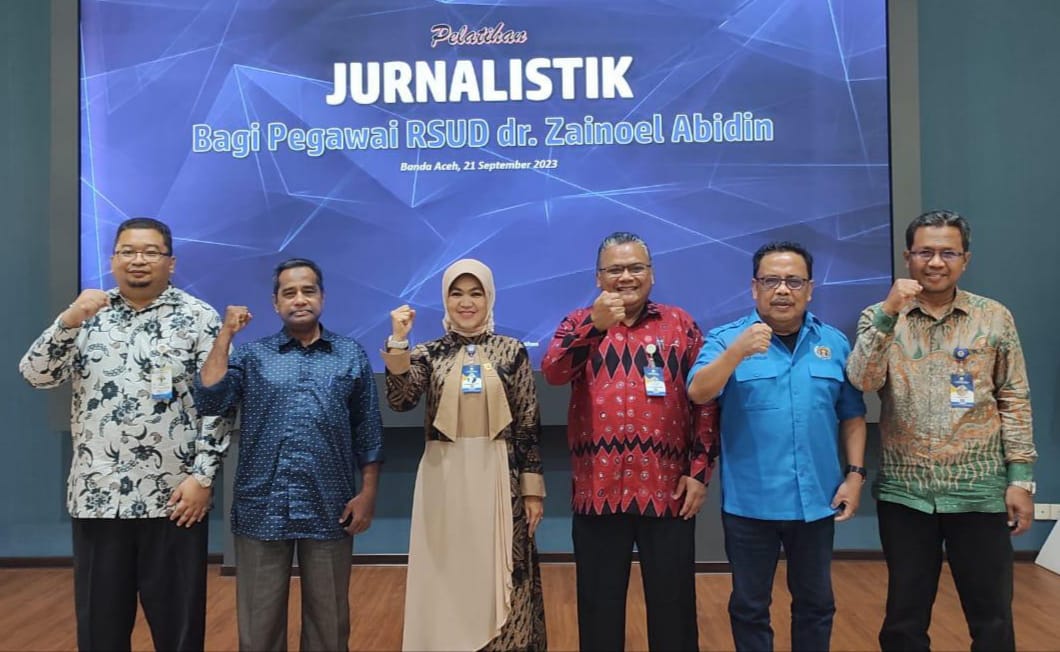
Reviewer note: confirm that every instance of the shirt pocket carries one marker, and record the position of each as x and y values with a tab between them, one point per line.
980	363
339	386
756	385
157	350
827	380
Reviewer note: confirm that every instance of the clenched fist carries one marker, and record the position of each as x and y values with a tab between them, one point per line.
236	319
902	294
755	339
85	306
401	319
608	310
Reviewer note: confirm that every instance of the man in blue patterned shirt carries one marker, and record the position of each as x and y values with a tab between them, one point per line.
144	458
310	418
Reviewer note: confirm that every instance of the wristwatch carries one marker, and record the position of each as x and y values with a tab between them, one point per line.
391	343
860	470
204	480
1027	485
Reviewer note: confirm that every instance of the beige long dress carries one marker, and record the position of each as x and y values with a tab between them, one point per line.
459	588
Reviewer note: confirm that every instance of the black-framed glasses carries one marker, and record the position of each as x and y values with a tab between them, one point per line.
927	255
150	255
792	282
616	271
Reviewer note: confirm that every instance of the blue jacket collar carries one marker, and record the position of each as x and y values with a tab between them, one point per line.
809	321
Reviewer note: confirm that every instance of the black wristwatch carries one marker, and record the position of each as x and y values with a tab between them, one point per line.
860	470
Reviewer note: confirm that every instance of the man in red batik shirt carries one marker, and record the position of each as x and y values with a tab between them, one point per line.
641	452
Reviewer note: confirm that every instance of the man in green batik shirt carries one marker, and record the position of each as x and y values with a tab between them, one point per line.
958	447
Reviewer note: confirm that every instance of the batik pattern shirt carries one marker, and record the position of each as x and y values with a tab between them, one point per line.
938	457
130	450
628	449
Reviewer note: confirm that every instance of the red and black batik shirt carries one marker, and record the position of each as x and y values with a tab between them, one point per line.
628	449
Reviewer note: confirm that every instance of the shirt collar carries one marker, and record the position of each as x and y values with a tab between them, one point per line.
285	342
651	310
809	320
169	297
961	302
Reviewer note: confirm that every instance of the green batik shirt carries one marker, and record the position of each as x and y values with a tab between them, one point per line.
937	457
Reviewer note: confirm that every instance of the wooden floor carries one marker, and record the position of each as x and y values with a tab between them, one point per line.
36	610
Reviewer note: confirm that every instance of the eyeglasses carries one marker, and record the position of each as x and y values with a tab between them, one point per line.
150	255
773	282
927	255
616	271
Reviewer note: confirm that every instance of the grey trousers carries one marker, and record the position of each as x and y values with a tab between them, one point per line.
263	580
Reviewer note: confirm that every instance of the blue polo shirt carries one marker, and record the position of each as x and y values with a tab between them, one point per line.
780	414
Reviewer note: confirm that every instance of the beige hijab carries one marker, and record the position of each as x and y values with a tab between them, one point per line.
498	413
485	277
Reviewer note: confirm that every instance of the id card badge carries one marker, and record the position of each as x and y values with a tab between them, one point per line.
162	382
471	379
654	384
962	391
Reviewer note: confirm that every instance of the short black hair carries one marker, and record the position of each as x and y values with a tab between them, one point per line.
940	218
147	223
292	263
620	238
780	246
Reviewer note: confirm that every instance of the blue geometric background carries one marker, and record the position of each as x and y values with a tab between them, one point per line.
817	68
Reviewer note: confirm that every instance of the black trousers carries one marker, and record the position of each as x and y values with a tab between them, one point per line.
603	552
116	559
979	551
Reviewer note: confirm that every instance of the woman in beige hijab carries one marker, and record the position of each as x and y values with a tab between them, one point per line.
473	577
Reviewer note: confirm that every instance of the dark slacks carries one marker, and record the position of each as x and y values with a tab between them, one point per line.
116	559
603	552
979	550
263	581
753	547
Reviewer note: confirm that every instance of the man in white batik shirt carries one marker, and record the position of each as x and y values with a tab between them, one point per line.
144	461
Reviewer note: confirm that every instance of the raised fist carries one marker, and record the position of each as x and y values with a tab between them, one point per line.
85	306
401	319
608	310
236	318
902	294
755	339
